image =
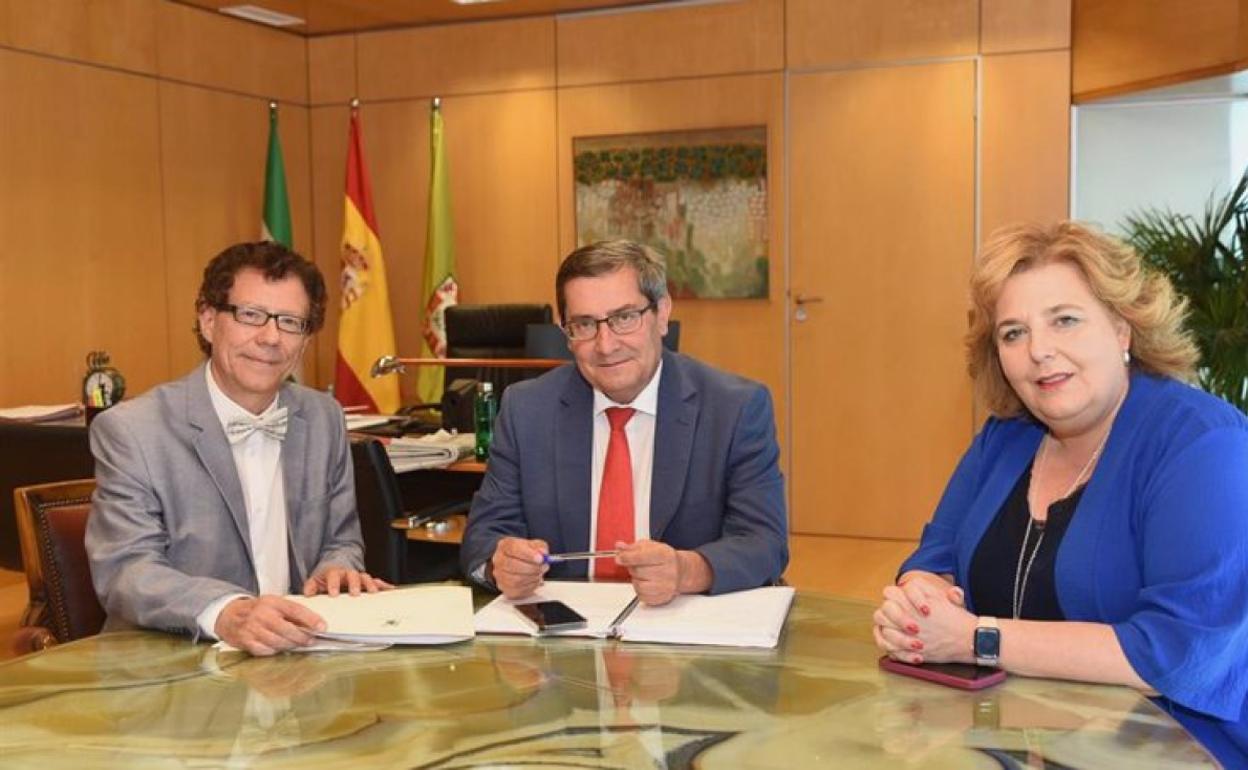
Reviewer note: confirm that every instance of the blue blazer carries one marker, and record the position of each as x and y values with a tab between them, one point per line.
1158	546
716	489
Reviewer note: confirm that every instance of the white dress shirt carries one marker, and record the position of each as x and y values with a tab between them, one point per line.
640	432
258	461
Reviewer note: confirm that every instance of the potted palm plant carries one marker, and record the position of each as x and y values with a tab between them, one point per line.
1204	257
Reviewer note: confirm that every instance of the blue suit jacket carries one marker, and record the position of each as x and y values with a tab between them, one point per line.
1157	548
716	485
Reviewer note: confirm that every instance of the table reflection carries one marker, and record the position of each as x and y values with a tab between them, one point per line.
145	699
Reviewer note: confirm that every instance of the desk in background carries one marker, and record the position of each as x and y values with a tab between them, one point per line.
37	453
433	554
145	699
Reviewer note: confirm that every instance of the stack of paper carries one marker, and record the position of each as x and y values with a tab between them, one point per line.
418	615
361	421
437	450
41	413
753	618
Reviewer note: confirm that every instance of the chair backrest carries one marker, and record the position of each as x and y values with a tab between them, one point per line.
378	502
491	331
51	525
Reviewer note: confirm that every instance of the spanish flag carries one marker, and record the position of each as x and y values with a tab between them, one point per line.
365	330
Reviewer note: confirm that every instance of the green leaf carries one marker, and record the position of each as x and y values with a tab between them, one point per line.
1204	258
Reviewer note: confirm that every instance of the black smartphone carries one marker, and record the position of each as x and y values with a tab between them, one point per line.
551	616
964	676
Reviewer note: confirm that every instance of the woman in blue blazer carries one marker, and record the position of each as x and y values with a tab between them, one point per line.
1097	528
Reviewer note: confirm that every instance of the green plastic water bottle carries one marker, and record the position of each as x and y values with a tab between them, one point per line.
484	409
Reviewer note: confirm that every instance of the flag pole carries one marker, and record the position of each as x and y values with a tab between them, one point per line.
439	289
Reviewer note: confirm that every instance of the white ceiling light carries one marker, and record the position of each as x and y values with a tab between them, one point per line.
474	2
262	15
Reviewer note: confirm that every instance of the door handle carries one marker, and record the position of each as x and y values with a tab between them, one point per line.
801	301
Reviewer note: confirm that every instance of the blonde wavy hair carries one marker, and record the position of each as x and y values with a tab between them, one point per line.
1142	297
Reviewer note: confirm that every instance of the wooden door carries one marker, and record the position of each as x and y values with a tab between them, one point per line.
882	165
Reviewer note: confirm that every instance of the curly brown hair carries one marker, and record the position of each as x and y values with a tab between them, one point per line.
1140	296
276	262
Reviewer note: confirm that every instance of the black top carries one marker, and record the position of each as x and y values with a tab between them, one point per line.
996	560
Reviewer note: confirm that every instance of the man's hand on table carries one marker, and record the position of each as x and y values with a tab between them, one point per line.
267	625
660	573
518	566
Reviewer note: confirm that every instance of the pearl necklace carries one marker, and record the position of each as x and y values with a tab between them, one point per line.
1021	574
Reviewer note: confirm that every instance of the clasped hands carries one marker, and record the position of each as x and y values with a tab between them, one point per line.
269	624
658	572
924	620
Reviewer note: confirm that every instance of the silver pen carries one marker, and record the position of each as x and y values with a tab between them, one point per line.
555	558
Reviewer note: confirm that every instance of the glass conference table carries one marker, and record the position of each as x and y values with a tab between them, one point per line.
138	700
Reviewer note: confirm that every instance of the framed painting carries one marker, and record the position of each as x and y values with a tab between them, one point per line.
698	198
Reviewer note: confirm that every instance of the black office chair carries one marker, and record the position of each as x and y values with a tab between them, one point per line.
491	331
477	331
387	552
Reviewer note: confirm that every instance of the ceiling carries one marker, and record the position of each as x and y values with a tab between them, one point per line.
324	17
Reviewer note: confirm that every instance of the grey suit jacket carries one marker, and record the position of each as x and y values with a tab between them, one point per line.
168	535
716	484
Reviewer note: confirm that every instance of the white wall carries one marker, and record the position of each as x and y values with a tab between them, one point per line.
1131	156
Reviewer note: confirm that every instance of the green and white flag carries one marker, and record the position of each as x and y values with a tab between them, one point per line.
276	224
439	289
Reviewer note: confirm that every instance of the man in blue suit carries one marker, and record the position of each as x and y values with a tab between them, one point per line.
650	453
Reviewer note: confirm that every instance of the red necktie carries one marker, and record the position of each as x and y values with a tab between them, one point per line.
615	497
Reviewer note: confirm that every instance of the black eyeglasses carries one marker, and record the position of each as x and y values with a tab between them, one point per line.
624	321
254	316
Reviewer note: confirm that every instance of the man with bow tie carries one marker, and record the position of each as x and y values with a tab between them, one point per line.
219	493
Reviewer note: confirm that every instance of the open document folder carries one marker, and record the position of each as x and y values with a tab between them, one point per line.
753	618
417	615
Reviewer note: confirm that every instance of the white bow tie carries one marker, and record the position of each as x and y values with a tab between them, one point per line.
272	424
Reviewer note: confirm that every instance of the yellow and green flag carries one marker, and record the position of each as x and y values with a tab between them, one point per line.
276	224
365	329
439	290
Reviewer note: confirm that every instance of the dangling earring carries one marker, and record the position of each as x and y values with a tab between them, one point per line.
1126	358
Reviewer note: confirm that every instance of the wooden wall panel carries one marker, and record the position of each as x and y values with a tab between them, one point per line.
457	59
116	33
209	49
822	34
213	153
328	137
501	155
742	336
1024	25
1241	45
656	43
1025	139
82	267
6	22
882	230
331	69
1120	47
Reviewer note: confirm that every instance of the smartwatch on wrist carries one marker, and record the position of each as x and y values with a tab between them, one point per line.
987	643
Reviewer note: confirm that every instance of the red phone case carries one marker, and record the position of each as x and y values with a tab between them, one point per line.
940	674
